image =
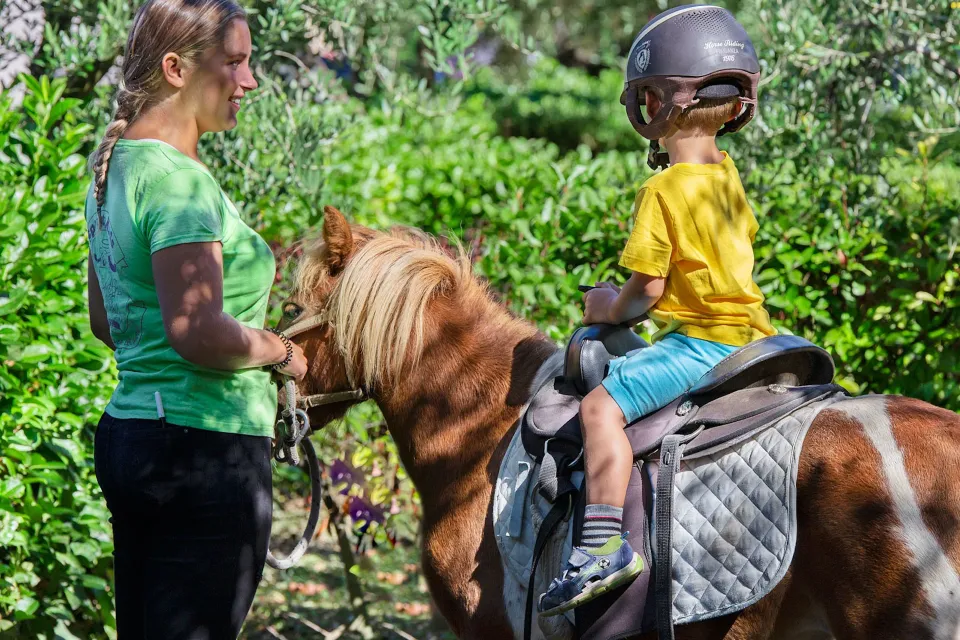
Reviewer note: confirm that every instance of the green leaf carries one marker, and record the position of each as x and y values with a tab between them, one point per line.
61	632
67	448
10	302
25	608
13	225
34	353
94	582
10	486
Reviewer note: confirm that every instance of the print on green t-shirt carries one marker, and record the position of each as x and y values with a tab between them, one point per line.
124	314
157	198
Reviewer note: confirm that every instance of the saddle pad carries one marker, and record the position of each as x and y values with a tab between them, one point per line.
734	524
735	519
518	510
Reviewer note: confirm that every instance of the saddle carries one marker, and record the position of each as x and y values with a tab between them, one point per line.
741	396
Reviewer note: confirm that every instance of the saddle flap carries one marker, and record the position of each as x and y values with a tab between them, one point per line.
551	415
724	419
783	359
768	404
646	434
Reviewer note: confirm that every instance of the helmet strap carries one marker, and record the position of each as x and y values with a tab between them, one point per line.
657	159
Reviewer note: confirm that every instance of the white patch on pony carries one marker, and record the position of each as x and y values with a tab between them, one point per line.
939	579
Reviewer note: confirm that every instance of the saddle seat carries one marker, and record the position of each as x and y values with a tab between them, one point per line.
748	389
781	359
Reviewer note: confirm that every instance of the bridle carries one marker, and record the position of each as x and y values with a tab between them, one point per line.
291	432
318	399
294	424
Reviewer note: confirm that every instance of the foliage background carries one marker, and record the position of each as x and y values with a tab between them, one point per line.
498	123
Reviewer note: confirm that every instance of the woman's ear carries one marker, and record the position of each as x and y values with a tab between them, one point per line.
653	104
338	238
173	70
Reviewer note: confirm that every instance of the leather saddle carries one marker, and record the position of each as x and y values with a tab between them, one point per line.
742	395
748	389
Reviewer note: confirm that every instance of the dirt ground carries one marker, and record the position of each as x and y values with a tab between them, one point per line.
310	600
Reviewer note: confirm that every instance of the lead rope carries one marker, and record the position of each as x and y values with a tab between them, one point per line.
291	431
292	426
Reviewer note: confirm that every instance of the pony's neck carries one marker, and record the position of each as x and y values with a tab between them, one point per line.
452	413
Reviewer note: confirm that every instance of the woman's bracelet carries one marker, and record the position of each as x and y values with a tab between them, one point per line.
289	347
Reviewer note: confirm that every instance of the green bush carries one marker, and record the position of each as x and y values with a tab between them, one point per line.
859	262
563	105
875	286
878	286
55	378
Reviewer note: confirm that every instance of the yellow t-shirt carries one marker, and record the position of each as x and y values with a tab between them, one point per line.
694	227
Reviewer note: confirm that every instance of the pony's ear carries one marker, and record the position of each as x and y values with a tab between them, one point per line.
338	238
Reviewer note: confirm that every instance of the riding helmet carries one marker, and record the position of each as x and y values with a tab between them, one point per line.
688	53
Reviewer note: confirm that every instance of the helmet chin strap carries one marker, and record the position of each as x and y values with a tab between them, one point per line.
657	159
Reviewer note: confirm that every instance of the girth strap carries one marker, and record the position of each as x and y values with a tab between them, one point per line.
671	452
556	514
554	479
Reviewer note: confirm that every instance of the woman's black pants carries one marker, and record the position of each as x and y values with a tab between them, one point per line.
191	522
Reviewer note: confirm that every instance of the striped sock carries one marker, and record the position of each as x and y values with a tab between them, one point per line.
600	522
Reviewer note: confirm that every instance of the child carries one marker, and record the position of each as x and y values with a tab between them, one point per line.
691	258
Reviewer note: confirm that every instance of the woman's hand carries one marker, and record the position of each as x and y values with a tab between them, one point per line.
598	303
297	367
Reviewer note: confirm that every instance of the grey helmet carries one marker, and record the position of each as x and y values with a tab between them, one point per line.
688	53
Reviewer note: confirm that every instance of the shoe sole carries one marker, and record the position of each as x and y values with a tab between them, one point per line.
597	589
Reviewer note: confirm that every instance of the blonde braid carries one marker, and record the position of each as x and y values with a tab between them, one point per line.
129	105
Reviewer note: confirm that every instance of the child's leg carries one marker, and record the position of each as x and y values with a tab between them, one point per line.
608	461
634	387
604	560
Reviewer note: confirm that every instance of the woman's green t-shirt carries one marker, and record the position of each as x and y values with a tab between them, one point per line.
158	197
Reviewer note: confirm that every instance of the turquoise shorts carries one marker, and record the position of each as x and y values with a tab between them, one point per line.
652	378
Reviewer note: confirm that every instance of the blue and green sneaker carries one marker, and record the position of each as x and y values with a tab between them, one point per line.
591	573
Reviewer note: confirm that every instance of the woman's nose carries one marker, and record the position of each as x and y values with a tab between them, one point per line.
249	83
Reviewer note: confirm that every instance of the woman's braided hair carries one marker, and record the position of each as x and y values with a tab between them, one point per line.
187	28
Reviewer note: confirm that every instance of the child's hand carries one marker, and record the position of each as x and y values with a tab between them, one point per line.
608	285
597	303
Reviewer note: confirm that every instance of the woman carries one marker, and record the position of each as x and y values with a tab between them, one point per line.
179	288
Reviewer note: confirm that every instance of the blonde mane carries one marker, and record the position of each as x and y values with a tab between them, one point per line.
378	305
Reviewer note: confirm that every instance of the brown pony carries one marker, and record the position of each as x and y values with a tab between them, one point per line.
879	479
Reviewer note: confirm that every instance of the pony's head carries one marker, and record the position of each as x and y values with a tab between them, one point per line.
373	291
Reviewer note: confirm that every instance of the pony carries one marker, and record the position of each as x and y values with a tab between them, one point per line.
404	318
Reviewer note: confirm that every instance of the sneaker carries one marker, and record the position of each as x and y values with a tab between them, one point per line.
591	573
